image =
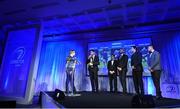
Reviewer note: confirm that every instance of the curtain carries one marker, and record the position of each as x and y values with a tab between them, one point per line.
51	72
168	44
169	47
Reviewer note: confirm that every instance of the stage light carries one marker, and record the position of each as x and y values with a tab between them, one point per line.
59	95
142	101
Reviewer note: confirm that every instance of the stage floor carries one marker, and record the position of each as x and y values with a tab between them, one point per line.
109	100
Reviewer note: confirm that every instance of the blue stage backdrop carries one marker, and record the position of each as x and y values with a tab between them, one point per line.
51	73
168	44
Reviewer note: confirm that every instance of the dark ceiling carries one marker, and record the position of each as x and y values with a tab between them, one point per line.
65	16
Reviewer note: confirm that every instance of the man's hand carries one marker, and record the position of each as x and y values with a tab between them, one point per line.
111	72
78	62
119	68
133	67
89	56
70	72
67	61
150	69
90	64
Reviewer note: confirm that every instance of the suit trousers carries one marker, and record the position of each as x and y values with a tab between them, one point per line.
94	79
122	77
113	82
138	81
70	79
156	80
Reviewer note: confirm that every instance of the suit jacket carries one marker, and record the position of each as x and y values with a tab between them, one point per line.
111	67
154	61
123	62
95	64
136	61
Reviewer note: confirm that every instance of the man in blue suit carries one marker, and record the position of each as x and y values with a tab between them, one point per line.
71	62
155	69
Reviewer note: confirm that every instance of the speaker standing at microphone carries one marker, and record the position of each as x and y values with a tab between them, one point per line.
93	62
71	62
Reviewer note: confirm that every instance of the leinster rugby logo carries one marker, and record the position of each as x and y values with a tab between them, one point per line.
18	56
170	89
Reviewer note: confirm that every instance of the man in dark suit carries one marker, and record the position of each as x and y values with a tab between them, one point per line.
112	72
122	69
155	69
93	62
137	70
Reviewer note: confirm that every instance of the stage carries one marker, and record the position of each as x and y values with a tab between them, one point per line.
108	100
